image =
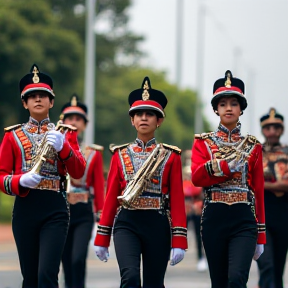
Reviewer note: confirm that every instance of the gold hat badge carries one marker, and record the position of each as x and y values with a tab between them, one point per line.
35	78
228	81
272	113
74	101
145	94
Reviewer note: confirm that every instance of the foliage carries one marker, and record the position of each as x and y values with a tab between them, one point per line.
52	34
29	34
6	206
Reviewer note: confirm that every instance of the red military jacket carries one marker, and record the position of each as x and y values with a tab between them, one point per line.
168	178
93	179
19	147
214	148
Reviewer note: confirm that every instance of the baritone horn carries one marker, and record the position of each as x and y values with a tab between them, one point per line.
136	186
45	148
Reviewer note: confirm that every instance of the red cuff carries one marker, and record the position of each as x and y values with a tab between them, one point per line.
102	240
261	238
65	152
17	188
179	242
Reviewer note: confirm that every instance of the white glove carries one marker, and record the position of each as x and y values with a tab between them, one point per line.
30	180
177	256
56	139
102	253
236	164
258	251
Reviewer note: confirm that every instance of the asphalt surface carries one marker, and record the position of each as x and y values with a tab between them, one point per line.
106	275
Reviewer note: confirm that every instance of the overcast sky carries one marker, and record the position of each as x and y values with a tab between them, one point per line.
249	37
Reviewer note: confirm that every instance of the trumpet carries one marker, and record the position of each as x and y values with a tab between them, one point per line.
136	186
45	148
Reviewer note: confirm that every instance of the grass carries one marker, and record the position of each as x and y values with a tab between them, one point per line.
6	206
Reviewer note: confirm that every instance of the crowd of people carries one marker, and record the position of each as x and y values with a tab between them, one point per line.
230	186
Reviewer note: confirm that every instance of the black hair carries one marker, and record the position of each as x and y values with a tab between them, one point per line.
82	116
240	100
276	125
25	98
158	114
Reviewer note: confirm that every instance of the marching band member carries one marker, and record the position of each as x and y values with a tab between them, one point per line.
275	164
229	167
145	185
34	160
82	195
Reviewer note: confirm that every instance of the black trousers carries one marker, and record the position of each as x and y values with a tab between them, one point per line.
40	222
76	247
229	234
143	233
272	262
196	219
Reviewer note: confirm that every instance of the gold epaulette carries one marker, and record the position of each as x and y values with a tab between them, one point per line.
96	147
13	127
173	148
253	139
203	135
113	147
66	126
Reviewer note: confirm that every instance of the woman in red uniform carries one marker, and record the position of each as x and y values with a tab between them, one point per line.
40	214
229	167
81	194
151	217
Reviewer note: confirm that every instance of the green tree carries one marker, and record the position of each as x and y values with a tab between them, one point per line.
30	33
52	34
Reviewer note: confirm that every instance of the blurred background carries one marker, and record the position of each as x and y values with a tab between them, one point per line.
182	45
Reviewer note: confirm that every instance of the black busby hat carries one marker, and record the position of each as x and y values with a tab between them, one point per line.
229	86
147	98
35	81
75	107
272	118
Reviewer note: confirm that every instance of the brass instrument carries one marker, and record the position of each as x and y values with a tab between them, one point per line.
136	186
68	183
45	148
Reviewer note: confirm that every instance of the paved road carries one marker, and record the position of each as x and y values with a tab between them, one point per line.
106	275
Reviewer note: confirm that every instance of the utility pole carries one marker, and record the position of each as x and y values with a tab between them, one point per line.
179	42
198	128
89	89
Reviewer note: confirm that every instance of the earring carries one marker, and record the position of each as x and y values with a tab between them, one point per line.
216	112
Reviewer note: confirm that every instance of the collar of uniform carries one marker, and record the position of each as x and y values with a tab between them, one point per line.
140	144
271	148
229	136
33	126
